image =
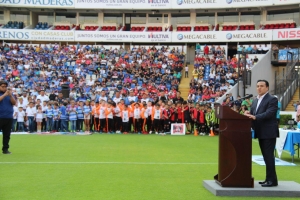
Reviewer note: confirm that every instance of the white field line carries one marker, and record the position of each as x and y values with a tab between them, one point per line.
117	163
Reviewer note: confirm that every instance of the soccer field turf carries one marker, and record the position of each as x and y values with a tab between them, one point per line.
117	167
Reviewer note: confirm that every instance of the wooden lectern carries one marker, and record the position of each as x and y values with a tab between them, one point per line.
235	149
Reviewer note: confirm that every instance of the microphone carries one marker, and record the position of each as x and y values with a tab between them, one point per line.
247	96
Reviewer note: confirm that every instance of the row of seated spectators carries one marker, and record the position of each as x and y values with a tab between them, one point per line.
28	67
279	26
14	25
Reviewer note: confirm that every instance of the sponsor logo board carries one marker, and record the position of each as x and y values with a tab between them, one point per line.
123	36
121	4
38	3
36	35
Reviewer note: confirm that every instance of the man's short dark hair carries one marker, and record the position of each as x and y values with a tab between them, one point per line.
265	81
3	83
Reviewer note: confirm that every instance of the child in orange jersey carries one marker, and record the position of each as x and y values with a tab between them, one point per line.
96	117
109	118
102	117
144	115
149	119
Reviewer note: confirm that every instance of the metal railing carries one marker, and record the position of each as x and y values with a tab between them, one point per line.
287	81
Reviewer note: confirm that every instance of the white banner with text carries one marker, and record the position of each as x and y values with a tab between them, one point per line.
38	3
222	36
144	4
157	37
122	36
36	35
124	4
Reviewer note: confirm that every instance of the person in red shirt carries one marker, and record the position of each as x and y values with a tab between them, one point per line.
179	112
173	111
201	120
206	50
166	116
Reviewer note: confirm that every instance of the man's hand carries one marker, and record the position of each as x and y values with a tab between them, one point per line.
247	113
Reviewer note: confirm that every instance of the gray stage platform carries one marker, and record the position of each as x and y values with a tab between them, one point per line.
284	189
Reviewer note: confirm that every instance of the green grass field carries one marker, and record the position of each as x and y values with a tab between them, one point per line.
141	167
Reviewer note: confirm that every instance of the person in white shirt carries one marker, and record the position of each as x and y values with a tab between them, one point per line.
21	103
117	97
25	99
31	114
186	70
90	82
223	87
125	119
15	117
265	49
20	119
43	97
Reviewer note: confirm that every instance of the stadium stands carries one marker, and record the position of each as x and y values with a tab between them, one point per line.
42	26
137	28
154	28
91	28
201	28
108	28
278	25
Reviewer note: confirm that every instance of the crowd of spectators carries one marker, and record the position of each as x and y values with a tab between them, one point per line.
142	69
213	75
36	75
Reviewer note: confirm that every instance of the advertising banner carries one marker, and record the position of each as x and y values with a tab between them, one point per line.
286	34
197	36
222	36
38	3
36	35
123	4
200	4
248	36
122	36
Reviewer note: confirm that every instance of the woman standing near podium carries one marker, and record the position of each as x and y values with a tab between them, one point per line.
263	113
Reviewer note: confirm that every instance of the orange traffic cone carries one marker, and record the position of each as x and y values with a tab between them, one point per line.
195	132
211	132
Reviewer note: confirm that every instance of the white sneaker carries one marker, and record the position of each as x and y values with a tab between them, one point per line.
156	133
150	132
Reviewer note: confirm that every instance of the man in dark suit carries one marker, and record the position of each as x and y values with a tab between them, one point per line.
263	113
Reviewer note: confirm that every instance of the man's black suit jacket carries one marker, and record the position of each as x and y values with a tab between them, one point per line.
265	125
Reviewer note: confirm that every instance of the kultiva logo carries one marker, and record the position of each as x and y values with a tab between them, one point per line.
158	36
158	1
180	36
179	2
228	36
229	1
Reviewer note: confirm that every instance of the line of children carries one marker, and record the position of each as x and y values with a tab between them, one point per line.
119	118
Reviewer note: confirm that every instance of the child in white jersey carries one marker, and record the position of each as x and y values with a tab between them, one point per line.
125	119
